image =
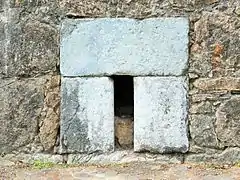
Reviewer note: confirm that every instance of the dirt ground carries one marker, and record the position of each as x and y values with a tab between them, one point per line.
133	171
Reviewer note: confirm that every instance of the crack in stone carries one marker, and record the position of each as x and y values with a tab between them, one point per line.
7	84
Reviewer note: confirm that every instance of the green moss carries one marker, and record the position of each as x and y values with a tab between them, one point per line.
21	1
38	164
237	164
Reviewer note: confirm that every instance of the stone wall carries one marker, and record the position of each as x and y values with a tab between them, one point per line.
30	81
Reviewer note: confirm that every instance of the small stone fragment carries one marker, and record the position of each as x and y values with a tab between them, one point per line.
124	132
223	83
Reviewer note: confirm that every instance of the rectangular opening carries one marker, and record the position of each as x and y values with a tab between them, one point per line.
123	111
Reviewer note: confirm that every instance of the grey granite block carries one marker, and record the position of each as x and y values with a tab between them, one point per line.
87	115
160	114
118	46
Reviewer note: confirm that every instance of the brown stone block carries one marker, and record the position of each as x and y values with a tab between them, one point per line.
201	108
24	103
202	130
227	123
224	83
50	124
88	8
215	48
212	96
130	8
124	132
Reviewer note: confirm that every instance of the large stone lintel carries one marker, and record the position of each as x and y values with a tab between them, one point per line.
110	46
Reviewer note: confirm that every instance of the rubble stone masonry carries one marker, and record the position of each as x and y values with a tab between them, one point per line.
30	73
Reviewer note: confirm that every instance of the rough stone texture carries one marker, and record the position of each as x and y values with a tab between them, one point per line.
214	57
213	49
200	149
160	114
31	47
49	127
3	21
1	46
143	8
211	96
201	108
31	158
131	171
33	44
225	83
124	132
4	162
202	130
88	8
227	123
21	102
156	46
228	156
87	115
125	156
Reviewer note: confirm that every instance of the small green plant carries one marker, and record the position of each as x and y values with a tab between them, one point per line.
237	164
210	166
21	1
38	164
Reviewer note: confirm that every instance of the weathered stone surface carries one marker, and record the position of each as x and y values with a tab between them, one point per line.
87	8
21	103
215	48
2	43
202	130
212	96
214	52
5	162
141	8
31	158
87	115
124	156
201	108
32	40
193	148
228	156
4	5
2	28
224	83
124	132
192	76
30	3
160	114
51	112
227	123
156	46
32	49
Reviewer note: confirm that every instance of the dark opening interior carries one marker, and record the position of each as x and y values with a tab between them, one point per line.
123	111
123	96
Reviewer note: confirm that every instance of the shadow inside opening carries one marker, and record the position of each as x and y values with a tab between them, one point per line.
123	111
